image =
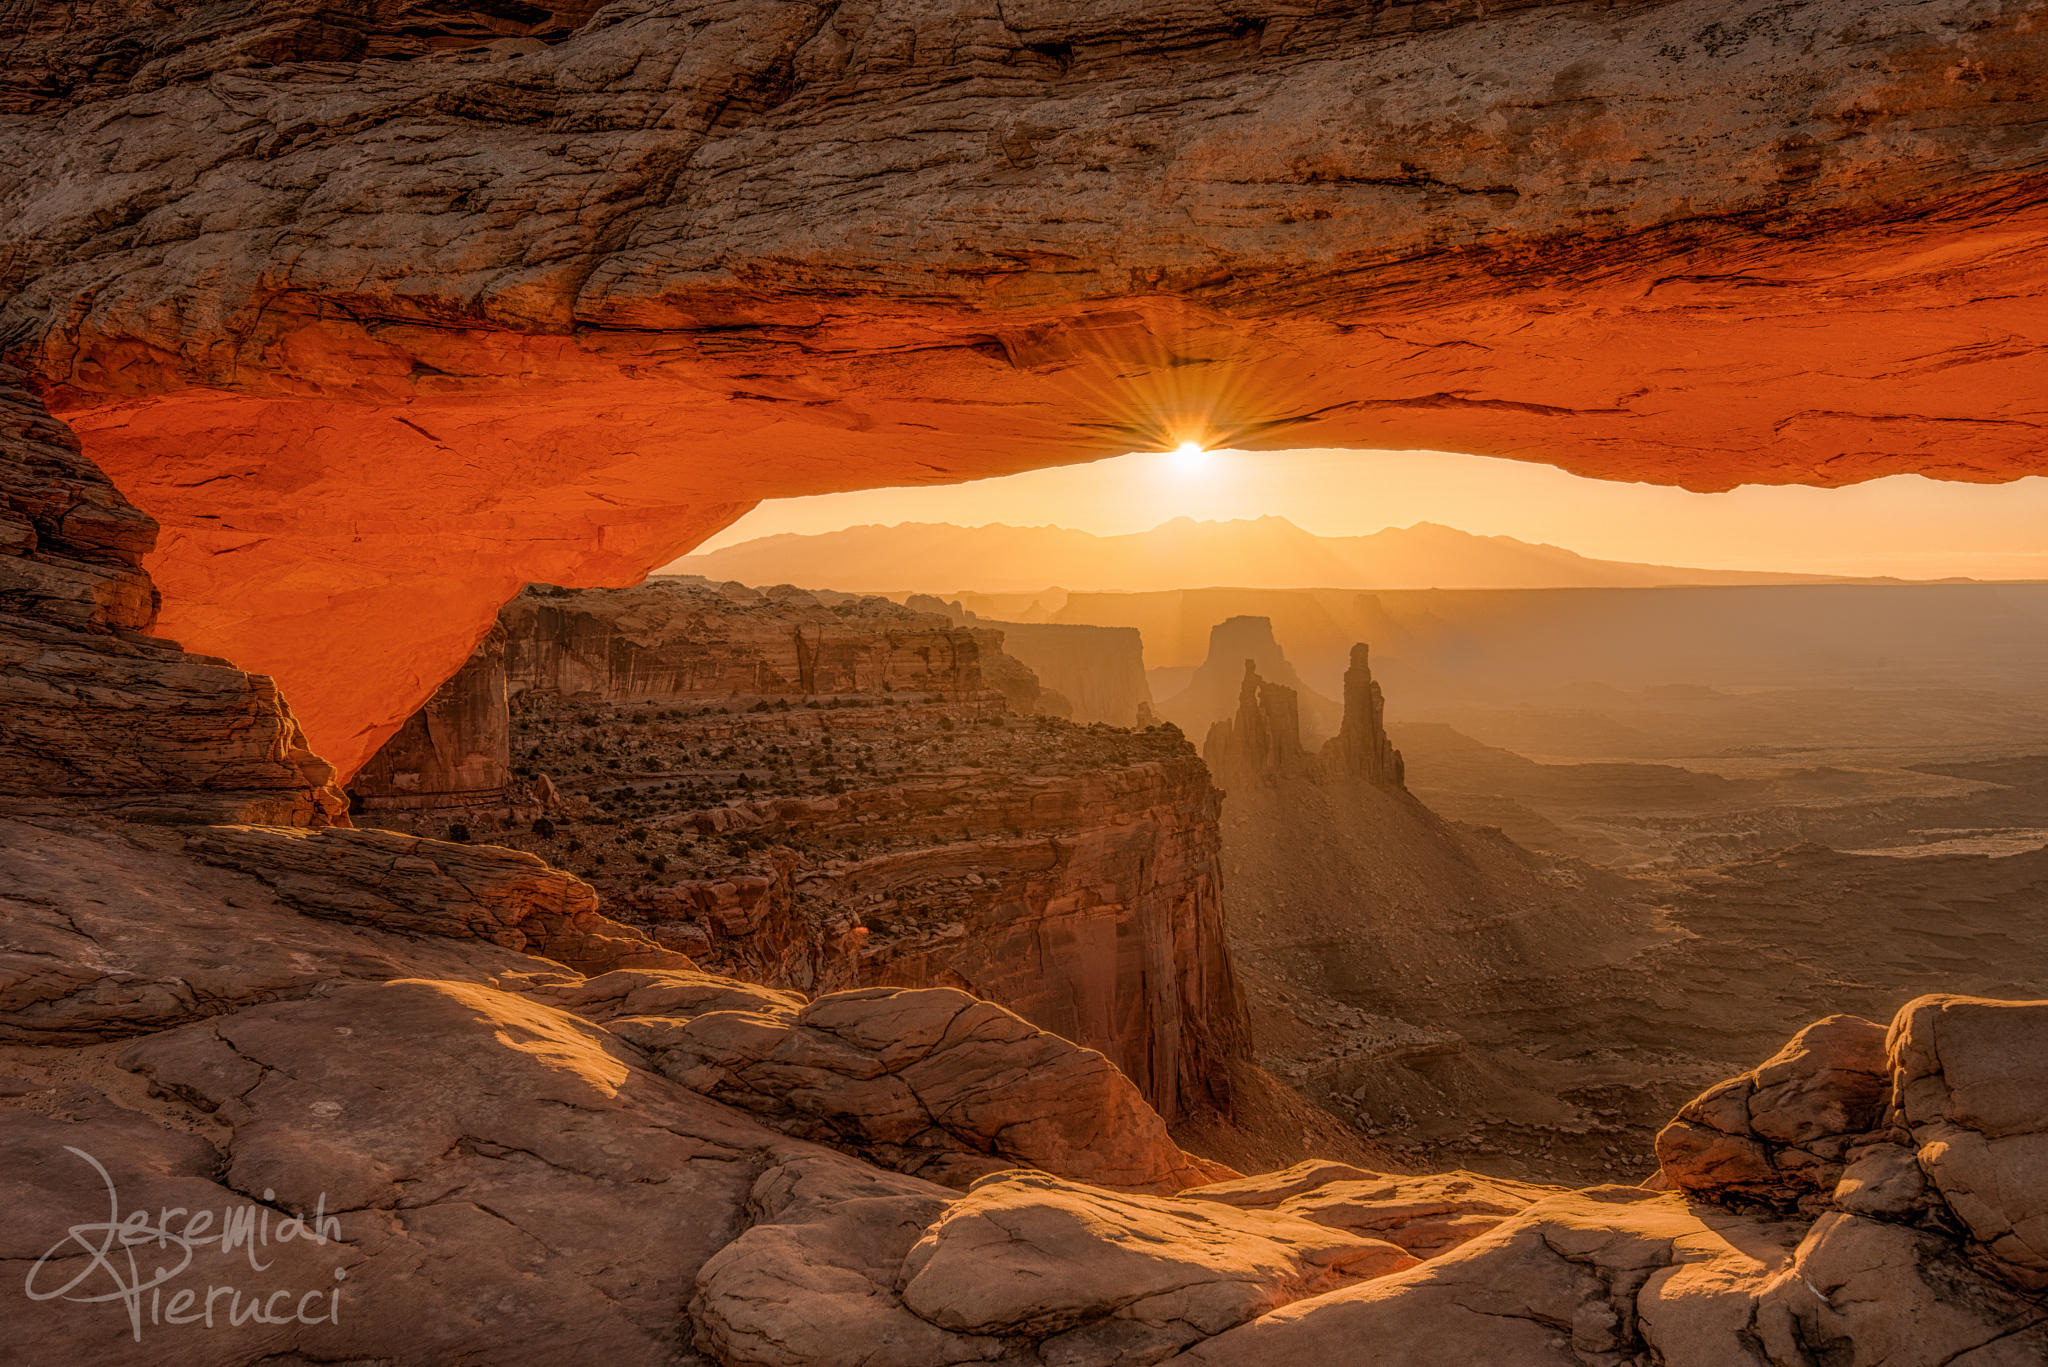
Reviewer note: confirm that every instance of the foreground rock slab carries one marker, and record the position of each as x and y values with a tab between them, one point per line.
496	1158
928	1081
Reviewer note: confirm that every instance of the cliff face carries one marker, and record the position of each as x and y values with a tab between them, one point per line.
1100	671
671	639
674	638
1068	873
547	299
455	751
817	791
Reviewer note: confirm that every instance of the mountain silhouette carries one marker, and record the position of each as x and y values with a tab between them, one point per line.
1265	552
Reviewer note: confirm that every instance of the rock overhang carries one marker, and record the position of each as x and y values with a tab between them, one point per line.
378	340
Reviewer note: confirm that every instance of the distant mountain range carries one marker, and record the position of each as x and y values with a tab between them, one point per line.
1266	552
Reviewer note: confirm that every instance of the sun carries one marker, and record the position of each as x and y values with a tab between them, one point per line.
1191	458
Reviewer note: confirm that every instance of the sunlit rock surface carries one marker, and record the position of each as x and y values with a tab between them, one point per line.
384	316
929	1082
1780	1134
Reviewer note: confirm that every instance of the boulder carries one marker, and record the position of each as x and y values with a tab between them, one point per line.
1870	1293
1780	1134
1609	1275
812	1283
927	1081
1972	1089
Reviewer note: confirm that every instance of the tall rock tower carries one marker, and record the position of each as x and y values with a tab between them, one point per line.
1361	748
1263	738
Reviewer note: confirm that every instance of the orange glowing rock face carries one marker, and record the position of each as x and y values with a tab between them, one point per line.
357	546
379	344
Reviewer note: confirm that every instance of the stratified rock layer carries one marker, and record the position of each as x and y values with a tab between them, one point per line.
1070	874
381	327
1100	671
94	715
676	638
816	791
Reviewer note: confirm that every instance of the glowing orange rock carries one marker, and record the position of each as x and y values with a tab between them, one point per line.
378	346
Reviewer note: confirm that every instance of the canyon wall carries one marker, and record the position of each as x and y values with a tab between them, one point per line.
1069	873
455	751
380	327
1096	673
670	639
1100	671
677	638
818	791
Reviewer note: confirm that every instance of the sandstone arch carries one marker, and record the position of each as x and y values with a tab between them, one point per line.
383	308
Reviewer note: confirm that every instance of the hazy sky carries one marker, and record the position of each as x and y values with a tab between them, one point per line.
1905	525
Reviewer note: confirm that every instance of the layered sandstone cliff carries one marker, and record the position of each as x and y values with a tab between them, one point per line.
675	638
95	715
453	752
1099	671
669	639
817	790
1070	874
